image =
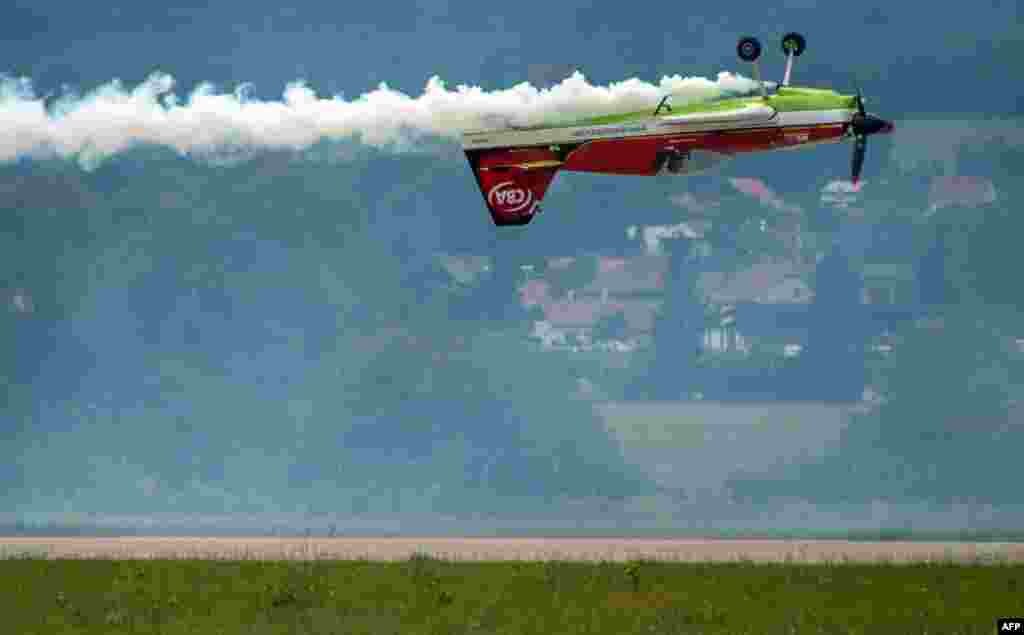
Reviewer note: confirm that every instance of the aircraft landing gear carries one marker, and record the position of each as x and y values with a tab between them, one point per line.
749	49
793	43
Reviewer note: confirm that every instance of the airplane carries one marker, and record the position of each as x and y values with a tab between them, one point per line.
514	166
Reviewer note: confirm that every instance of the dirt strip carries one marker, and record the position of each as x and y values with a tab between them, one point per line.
594	549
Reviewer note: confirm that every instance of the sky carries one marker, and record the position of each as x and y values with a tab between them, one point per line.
343	49
188	329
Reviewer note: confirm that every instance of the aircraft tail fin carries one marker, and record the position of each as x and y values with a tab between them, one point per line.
513	181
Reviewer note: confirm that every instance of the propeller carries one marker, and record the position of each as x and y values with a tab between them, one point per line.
864	125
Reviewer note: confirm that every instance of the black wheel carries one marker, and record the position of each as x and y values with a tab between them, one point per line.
793	42
749	49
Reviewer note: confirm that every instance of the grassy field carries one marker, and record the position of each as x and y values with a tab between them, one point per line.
427	595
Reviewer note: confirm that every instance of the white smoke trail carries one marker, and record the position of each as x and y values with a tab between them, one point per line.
113	118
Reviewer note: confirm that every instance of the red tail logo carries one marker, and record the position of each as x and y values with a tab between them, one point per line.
508	198
513	181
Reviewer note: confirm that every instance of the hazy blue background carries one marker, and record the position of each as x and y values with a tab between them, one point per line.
276	338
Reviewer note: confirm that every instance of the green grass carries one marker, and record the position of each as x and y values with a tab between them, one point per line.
425	595
891	534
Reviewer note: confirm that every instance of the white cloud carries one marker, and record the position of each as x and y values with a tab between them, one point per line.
216	125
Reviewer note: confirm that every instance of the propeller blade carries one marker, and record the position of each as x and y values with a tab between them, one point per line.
860	100
860	147
862	125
